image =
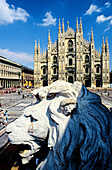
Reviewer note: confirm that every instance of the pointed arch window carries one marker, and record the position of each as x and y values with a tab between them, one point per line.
86	59
54	59
70	46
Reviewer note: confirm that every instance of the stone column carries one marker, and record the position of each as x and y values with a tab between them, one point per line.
5	83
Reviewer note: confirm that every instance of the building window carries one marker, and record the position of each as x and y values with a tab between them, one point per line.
86	59
86	70
70	62
54	70
70	46
70	43
44	70
97	70
55	59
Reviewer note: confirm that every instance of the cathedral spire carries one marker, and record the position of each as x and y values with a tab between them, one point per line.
77	29
80	24
35	49
103	41
68	23
103	45
92	35
38	46
63	25
59	28
106	45
49	37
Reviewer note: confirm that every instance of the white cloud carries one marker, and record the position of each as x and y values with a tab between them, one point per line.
19	57
107	4
92	8
107	28
49	20
8	14
102	18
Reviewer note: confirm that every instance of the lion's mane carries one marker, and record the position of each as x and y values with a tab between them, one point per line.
74	125
87	141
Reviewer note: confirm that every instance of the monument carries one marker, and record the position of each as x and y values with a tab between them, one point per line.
68	126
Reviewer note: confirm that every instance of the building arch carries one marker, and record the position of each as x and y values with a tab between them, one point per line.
70	79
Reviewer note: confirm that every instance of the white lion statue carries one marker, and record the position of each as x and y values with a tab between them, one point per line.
70	123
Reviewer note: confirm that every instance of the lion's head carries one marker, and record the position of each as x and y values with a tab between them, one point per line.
70	123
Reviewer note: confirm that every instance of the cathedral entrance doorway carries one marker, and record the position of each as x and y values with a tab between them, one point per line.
87	83
97	83
45	83
70	79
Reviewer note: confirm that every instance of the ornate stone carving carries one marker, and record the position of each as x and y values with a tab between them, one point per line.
70	123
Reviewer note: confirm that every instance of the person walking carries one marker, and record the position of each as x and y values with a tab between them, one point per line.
1	116
5	118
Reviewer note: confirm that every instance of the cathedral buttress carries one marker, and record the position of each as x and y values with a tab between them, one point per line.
49	58
93	83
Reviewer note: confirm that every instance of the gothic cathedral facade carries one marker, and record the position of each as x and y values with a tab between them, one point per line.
72	58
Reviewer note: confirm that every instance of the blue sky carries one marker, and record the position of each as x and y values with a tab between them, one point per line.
24	21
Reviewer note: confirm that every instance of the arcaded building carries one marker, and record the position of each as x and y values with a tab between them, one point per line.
10	73
72	58
27	76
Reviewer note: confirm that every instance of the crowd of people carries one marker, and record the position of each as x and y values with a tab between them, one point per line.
3	116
